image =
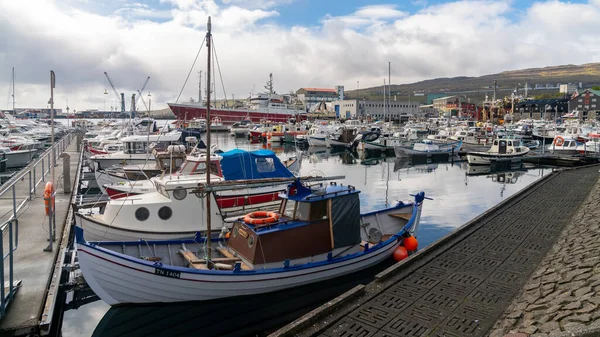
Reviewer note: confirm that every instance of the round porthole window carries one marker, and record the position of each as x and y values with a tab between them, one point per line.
165	213
179	193
142	214
250	241
235	232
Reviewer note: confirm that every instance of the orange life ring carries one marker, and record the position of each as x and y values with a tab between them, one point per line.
261	217
559	141
49	195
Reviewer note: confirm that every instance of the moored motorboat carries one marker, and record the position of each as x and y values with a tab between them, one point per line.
507	149
17	158
319	234
428	147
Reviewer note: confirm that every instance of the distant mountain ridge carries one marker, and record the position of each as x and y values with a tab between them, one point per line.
588	74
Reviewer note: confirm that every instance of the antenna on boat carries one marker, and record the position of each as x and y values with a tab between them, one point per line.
208	211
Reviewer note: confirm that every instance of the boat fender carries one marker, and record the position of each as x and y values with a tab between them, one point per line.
49	197
261	217
559	141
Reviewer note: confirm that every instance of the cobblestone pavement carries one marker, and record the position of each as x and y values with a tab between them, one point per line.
465	287
563	294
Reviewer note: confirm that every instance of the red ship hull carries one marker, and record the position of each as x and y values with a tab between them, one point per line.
230	116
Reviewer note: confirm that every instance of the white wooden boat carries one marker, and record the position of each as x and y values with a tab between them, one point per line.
319	235
501	149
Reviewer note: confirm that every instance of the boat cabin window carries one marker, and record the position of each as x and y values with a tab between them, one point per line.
265	165
199	168
135	147
311	211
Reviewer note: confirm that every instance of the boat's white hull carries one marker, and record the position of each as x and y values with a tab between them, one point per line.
99	231
375	147
102	178
108	161
117	279
317	141
334	142
478	159
19	158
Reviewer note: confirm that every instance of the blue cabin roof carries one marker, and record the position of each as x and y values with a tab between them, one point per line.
298	192
240	165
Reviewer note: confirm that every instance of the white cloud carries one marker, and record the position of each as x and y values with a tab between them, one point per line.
136	41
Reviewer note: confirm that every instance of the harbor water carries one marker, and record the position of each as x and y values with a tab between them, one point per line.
457	198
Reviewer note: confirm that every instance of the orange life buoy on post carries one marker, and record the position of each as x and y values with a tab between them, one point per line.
261	217
48	196
559	141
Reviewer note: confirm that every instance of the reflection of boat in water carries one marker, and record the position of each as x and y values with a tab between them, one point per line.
419	163
505	177
476	170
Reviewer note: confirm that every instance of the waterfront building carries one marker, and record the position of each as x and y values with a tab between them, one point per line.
541	108
586	104
455	106
397	111
310	97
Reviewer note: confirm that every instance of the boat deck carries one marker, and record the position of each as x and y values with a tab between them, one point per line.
32	265
460	285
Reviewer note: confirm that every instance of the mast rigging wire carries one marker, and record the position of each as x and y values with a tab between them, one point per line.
192	68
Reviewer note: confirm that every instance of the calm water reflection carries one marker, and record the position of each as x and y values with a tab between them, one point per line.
457	198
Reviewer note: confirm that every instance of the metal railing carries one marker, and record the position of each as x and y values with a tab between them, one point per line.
9	229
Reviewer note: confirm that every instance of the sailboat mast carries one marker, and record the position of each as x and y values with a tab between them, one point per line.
208	196
13	91
389	91
384	102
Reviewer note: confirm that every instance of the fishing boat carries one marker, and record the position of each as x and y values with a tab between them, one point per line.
268	105
161	209
507	149
318	234
428	147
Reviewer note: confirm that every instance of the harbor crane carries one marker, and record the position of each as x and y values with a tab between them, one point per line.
121	97
142	90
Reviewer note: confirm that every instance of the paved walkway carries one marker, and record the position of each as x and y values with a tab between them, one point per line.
563	294
32	265
462	285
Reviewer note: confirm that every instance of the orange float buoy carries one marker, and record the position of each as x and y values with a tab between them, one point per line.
227	235
400	253
411	243
264	135
49	195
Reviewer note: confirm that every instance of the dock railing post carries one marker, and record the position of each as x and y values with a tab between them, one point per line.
14	200
43	170
34	181
30	196
2	300
10	261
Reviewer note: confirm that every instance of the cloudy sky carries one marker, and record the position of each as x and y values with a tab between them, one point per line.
304	43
